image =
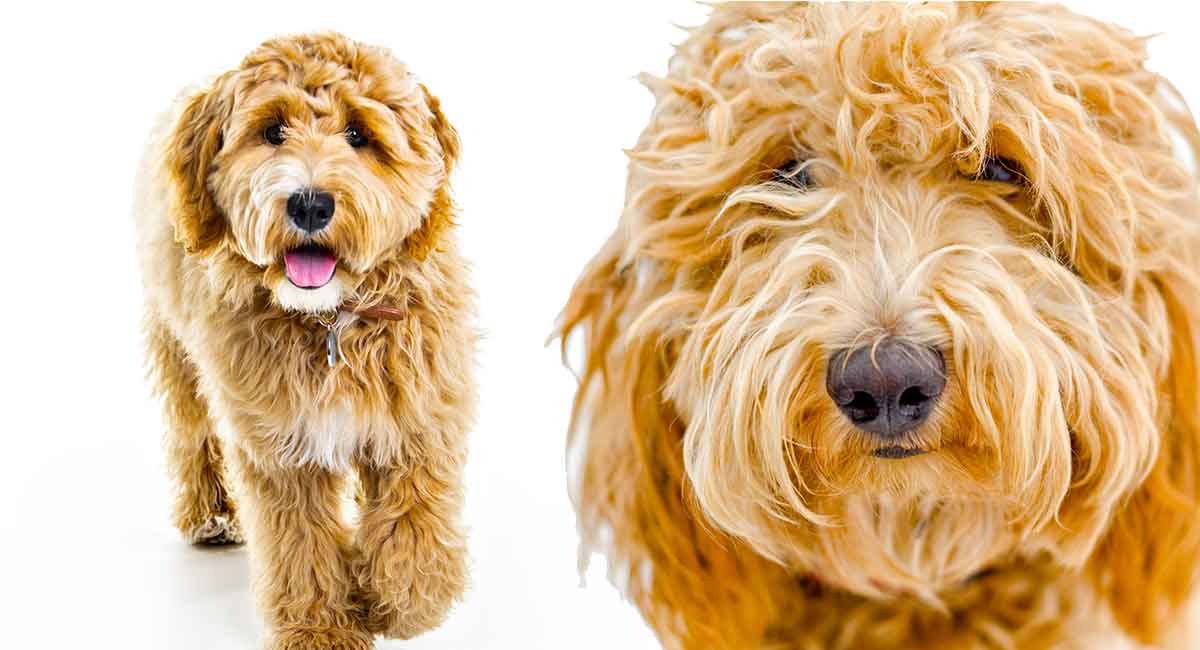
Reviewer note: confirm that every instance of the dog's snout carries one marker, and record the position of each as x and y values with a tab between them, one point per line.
310	210
887	389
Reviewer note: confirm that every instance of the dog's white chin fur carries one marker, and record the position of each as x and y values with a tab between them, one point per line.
311	301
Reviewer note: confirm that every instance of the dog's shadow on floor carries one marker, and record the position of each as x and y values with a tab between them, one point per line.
208	601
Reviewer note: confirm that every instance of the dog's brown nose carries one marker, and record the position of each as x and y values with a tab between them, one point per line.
886	389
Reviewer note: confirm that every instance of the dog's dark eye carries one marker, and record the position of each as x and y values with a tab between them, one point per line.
274	134
793	173
355	136
1001	170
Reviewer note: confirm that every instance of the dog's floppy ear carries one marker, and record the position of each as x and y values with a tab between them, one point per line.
191	147
1147	564
447	135
696	587
441	212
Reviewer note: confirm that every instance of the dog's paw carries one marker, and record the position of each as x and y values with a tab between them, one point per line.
403	625
217	530
421	602
320	639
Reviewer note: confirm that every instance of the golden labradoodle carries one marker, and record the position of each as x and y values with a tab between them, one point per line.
897	343
310	325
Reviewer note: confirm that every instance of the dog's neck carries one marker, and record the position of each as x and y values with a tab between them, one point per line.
379	310
1027	600
347	312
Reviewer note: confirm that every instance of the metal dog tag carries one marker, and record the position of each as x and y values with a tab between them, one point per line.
331	347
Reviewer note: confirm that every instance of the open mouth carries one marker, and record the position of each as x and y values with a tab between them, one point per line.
897	452
310	266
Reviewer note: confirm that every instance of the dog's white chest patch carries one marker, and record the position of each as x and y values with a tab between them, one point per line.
329	439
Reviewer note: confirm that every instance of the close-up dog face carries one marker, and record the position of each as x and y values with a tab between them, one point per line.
917	280
312	163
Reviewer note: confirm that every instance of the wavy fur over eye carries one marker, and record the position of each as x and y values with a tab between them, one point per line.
737	507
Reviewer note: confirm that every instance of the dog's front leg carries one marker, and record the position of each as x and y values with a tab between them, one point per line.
301	550
412	562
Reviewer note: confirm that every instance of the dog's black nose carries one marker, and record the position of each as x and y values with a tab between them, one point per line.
887	389
310	210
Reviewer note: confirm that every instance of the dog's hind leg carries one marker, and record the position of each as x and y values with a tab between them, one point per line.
204	511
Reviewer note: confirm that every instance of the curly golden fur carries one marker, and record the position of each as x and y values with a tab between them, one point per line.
1055	504
237	349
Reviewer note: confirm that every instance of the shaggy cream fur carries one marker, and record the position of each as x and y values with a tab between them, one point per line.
1005	184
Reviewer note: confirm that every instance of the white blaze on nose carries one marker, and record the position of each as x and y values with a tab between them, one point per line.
278	179
270	186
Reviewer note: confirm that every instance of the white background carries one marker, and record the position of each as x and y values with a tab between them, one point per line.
544	97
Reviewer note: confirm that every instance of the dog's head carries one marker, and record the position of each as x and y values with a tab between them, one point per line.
922	284
315	161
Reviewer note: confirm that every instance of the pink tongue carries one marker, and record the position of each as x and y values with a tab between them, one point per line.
309	268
